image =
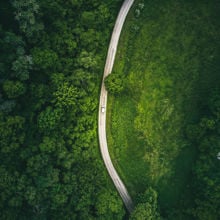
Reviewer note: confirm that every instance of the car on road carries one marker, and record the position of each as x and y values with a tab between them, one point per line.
102	109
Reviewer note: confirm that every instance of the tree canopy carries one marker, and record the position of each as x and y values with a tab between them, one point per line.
51	63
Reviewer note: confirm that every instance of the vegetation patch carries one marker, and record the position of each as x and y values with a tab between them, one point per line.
165	121
51	66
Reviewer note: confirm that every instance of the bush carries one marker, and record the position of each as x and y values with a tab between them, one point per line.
114	83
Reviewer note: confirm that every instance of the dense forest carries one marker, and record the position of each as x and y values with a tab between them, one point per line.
163	121
51	65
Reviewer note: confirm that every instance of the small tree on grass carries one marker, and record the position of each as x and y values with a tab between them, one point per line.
114	83
146	209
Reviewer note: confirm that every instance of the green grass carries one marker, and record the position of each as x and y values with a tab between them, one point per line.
170	63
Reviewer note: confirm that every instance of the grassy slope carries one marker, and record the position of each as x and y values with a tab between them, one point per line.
174	49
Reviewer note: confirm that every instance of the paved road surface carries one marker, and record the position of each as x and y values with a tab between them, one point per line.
103	103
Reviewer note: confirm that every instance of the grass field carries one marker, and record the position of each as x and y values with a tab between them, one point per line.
169	56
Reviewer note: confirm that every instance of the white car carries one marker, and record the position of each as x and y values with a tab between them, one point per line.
218	156
102	109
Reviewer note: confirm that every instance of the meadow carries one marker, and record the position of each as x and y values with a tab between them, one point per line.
168	62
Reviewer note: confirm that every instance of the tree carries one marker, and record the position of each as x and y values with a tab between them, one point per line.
150	196
87	60
109	204
44	58
21	66
48	145
147	208
11	133
143	211
65	96
206	172
13	89
25	14
114	83
7	106
49	118
88	18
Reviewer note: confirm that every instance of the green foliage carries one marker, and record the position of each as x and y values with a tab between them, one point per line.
7	106
147	206
13	89
150	195
87	60
49	119
144	211
107	203
11	133
50	161
66	96
21	66
25	14
206	170
44	58
156	127
114	83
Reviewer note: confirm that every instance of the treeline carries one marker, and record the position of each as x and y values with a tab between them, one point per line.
206	135
51	63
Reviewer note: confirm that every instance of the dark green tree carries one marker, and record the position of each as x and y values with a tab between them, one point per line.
114	83
146	209
25	14
13	89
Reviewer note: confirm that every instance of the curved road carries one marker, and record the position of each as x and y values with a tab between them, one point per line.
103	103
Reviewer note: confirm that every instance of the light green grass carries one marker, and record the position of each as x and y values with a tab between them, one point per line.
169	64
